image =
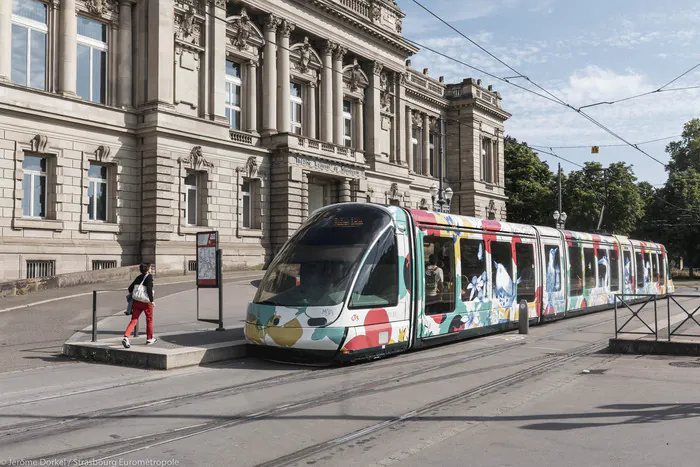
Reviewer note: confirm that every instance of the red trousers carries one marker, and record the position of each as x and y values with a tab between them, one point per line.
135	313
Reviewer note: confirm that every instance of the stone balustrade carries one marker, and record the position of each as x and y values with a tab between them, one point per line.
318	148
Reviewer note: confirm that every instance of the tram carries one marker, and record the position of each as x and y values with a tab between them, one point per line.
361	281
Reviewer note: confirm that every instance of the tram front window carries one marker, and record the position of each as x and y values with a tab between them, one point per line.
318	264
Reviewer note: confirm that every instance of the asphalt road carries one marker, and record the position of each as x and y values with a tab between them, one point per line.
554	397
33	337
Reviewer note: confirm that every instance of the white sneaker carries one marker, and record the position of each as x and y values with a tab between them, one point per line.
125	343
151	341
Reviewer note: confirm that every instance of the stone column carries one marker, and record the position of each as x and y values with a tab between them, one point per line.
218	53
338	120
283	117
404	127
69	48
344	193
304	196
327	93
426	145
359	127
270	76
311	111
161	52
124	56
5	41
374	117
252	98
409	138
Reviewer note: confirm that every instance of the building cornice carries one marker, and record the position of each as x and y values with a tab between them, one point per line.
358	21
421	94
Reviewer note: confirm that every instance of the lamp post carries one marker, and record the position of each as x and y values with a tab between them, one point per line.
560	219
440	196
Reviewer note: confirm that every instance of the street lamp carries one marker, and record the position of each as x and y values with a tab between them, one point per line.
560	219
441	197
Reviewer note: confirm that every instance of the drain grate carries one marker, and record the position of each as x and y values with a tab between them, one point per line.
685	364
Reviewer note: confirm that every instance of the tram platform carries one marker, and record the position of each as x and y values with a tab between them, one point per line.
182	339
671	328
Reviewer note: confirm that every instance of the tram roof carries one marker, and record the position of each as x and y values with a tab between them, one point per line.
453	220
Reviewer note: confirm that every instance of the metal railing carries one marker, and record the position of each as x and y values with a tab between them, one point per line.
94	313
629	301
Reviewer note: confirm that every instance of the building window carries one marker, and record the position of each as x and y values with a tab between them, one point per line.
92	60
295	107
233	94
347	118
40	268
97	192
247	205
34	186
486	165
29	35
98	264
191	198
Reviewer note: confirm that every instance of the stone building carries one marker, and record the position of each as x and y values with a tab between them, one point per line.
126	126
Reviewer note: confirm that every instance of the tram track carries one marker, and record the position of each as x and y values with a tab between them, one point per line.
31	430
468	395
104	451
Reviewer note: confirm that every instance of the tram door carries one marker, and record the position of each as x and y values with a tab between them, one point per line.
554	287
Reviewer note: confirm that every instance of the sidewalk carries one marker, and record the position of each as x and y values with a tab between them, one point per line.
182	340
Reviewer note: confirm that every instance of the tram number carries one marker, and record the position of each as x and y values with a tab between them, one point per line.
355	318
327	312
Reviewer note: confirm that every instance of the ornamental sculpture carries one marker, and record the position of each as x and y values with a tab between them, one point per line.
245	28
196	159
355	76
305	56
99	7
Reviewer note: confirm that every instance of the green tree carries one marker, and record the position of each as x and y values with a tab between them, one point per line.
589	189
685	154
677	225
528	185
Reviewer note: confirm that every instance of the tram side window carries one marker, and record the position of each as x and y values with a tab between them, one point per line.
651	269
378	282
589	264
640	270
614	270
502	271
439	275
553	273
656	267
525	260
603	268
473	262
576	271
628	269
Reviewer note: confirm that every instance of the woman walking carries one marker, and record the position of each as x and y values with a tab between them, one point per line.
141	291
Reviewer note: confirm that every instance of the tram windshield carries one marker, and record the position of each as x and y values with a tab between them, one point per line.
317	265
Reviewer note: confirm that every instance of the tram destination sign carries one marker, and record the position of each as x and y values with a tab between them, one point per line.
207	271
328	167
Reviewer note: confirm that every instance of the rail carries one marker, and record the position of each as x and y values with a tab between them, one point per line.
636	303
94	312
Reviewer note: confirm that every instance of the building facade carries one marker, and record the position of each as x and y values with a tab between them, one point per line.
126	126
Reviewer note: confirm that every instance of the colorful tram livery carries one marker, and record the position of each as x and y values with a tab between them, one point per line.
362	280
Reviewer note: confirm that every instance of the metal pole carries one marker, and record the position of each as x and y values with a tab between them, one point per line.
559	183
220	281
523	318
656	322
616	296
668	315
94	316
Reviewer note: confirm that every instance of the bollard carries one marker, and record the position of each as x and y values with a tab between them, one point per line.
523	318
94	315
220	280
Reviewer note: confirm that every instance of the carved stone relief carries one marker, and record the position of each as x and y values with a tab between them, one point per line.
102	153
39	143
196	160
244	29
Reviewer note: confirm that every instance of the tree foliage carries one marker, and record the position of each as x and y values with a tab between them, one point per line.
529	185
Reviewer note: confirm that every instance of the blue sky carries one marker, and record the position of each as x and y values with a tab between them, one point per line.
583	52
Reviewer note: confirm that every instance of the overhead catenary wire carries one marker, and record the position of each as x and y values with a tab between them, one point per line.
588	146
458	121
553	98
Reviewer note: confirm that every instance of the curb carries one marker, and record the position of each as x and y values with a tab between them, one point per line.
155	359
649	347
